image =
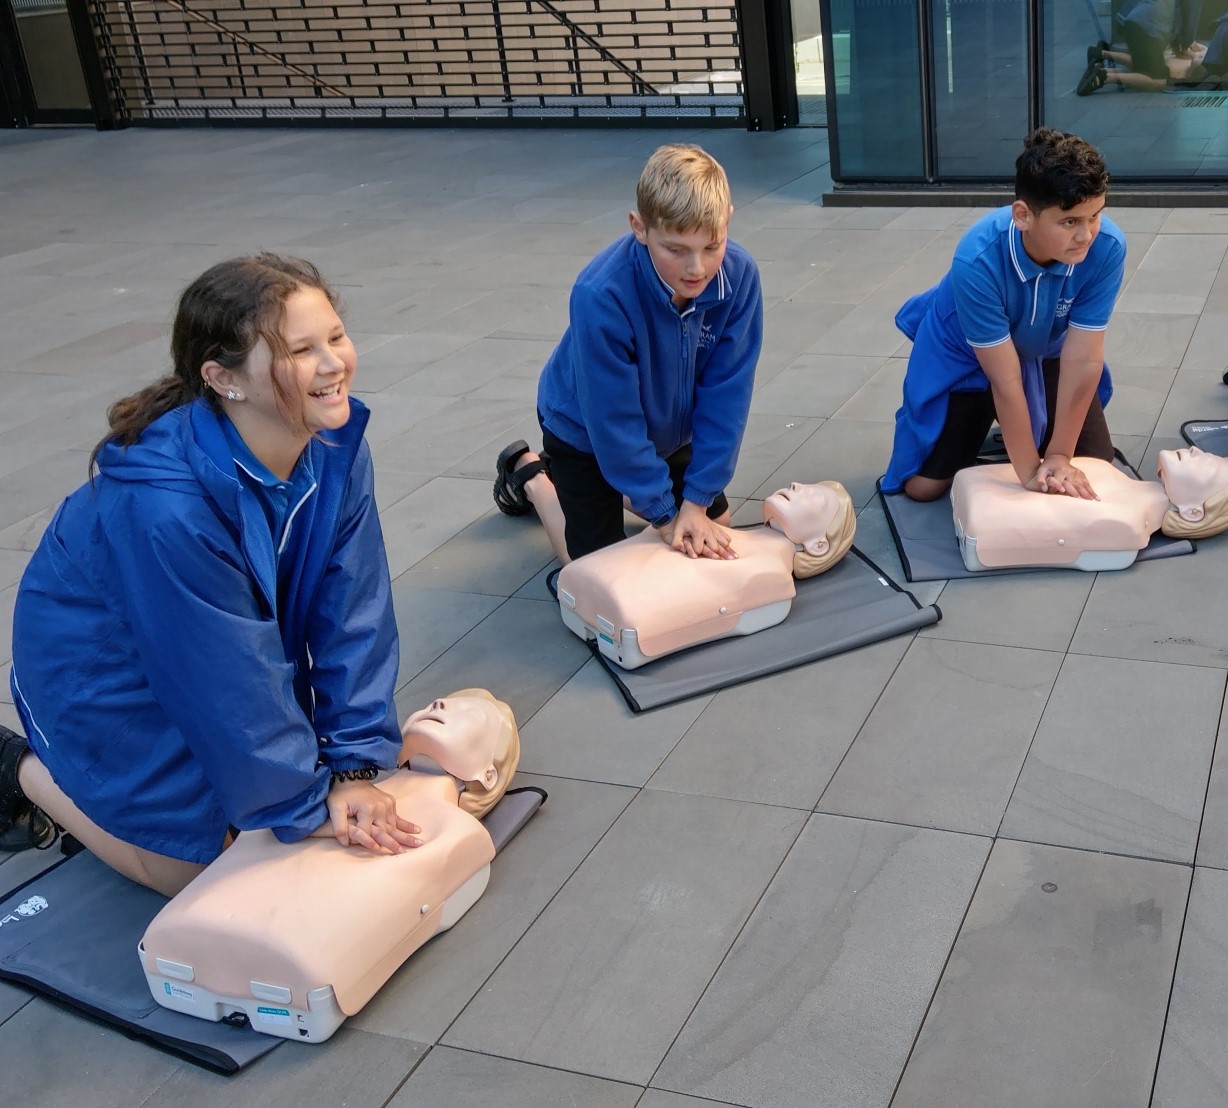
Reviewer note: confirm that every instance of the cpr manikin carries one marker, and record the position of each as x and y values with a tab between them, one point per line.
299	936
639	599
1001	524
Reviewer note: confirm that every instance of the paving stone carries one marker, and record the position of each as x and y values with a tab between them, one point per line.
586	731
778	740
944	745
1096	778
606	977
1193	1070
1157	612
1213	839
448	1078
1067	952
56	1059
822	995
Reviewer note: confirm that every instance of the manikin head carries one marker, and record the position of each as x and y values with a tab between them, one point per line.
1197	486
820	518
472	736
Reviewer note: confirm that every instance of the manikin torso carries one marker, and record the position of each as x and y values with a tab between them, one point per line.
640	599
1000	523
308	931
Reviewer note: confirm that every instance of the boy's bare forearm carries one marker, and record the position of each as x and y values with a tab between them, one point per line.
1082	362
1001	366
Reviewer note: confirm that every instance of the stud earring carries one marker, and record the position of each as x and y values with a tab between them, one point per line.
231	394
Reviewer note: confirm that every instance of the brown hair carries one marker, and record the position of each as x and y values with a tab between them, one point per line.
220	318
1058	169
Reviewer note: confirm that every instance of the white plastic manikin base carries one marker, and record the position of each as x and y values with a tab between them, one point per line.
297	936
639	600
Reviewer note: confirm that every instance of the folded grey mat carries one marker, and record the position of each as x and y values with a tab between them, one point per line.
72	933
1207	435
924	534
853	604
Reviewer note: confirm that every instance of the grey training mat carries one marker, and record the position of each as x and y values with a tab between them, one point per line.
853	604
1208	435
924	535
72	933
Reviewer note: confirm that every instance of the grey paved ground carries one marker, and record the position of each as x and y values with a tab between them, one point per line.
982	866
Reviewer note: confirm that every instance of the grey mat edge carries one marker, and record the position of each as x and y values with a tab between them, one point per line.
920	615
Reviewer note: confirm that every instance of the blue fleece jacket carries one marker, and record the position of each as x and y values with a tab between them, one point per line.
633	379
157	676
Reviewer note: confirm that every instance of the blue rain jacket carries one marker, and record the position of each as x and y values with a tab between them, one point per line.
633	379
157	677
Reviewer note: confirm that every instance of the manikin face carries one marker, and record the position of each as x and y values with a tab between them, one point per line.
685	260
1054	235
1190	477
804	513
461	734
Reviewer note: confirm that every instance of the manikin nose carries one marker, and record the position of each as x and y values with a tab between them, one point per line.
438	706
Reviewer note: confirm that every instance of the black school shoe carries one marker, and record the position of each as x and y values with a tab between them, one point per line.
1096	53
22	825
1092	79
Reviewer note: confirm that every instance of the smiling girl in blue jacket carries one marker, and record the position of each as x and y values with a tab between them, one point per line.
204	639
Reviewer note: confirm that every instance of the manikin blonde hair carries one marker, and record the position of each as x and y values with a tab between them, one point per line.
478	797
1214	519
683	188
839	536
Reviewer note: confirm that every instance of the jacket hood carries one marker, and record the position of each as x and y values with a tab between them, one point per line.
157	458
186	450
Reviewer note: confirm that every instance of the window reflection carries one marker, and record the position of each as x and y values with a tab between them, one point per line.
980	82
874	51
1145	80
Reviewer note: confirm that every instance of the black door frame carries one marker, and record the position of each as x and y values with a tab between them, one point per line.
18	106
769	79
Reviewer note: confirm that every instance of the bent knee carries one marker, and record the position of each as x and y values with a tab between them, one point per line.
926	488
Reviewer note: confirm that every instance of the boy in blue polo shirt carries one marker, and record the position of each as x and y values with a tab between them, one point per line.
644	401
1015	331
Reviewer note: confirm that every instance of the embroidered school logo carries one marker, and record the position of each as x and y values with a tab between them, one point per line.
1063	308
707	337
25	910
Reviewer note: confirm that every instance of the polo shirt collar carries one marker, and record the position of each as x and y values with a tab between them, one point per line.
1026	269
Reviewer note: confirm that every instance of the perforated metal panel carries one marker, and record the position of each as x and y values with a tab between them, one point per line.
421	59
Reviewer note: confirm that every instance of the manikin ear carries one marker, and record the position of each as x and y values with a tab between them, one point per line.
1022	215
219	378
818	547
638	229
1191	512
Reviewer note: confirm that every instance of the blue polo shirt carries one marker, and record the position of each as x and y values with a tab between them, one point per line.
995	293
279	501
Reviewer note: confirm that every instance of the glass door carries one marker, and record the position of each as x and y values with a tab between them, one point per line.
38	53
808	62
